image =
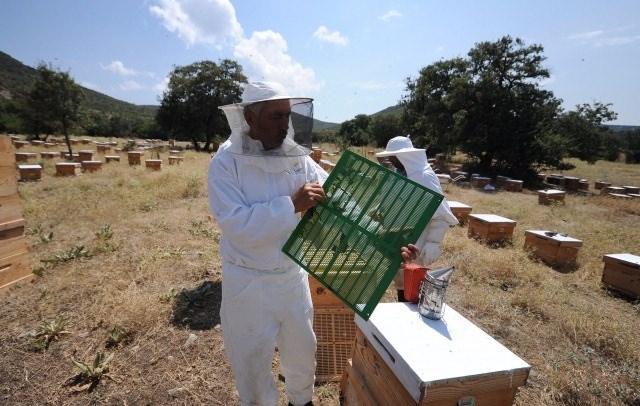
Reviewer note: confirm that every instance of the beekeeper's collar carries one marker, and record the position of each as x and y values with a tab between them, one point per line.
297	142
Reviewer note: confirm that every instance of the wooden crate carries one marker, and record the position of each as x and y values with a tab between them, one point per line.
490	227
400	358
66	169
551	196
622	273
513	185
460	210
91	166
155	164
11	228
135	157
335	333
555	249
30	172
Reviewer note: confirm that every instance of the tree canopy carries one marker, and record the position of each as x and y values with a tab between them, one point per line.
189	106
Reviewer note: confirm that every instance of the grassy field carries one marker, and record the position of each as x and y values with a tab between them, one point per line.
133	270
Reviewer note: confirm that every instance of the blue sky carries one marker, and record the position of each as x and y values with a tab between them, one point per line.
351	56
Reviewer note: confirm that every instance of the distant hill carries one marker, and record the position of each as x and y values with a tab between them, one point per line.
622	128
16	80
391	110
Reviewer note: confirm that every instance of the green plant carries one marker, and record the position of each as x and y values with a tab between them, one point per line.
117	335
192	188
105	233
91	374
169	296
49	331
78	251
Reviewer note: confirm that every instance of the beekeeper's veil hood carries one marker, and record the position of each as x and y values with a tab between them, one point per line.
298	111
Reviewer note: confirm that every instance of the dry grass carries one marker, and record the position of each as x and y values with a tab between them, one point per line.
581	340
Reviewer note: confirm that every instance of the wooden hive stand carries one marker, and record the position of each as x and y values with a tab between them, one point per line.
175	160
551	196
135	157
622	273
490	228
30	172
112	158
552	248
460	210
14	257
91	166
155	164
401	358
67	169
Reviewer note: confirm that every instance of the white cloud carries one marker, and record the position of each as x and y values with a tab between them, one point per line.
616	40
130	85
266	53
118	68
199	21
326	35
587	35
161	86
390	14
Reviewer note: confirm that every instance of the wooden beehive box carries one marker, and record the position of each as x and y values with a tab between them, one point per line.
112	158
49	155
14	260
85	140
85	155
555	179
66	169
155	164
401	358
37	142
460	210
584	184
490	227
513	185
30	172
600	184
571	184
135	157
622	273
501	181
479	182
335	334
19	143
631	190
91	166
551	196
24	156
555	249
103	148
320	295
50	144
612	189
174	159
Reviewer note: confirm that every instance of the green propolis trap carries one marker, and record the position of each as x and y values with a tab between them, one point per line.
351	242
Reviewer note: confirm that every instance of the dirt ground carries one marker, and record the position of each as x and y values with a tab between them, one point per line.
132	270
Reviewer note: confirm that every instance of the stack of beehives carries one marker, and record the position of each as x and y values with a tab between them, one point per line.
14	264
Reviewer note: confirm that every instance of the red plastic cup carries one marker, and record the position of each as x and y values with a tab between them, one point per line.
413	275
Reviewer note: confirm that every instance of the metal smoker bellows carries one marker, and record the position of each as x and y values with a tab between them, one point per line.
433	292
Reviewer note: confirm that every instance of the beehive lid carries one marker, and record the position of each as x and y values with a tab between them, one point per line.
423	353
564	240
491	218
351	242
551	192
457	205
629	259
29	167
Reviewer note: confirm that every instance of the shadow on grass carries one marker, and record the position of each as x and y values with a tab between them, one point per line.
198	308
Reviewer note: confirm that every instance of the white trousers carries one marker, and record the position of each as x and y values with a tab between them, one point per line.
261	310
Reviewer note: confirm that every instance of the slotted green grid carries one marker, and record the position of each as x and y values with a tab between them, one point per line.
351	242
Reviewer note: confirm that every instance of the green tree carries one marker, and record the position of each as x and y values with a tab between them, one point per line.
53	104
584	131
189	106
490	106
633	147
355	131
384	127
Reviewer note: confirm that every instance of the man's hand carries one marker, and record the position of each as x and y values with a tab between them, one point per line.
307	196
409	253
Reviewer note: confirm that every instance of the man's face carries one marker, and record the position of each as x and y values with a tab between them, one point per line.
270	123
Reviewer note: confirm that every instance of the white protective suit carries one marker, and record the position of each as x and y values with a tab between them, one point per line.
418	170
265	296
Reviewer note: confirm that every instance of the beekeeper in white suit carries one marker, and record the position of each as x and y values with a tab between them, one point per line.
260	180
412	163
